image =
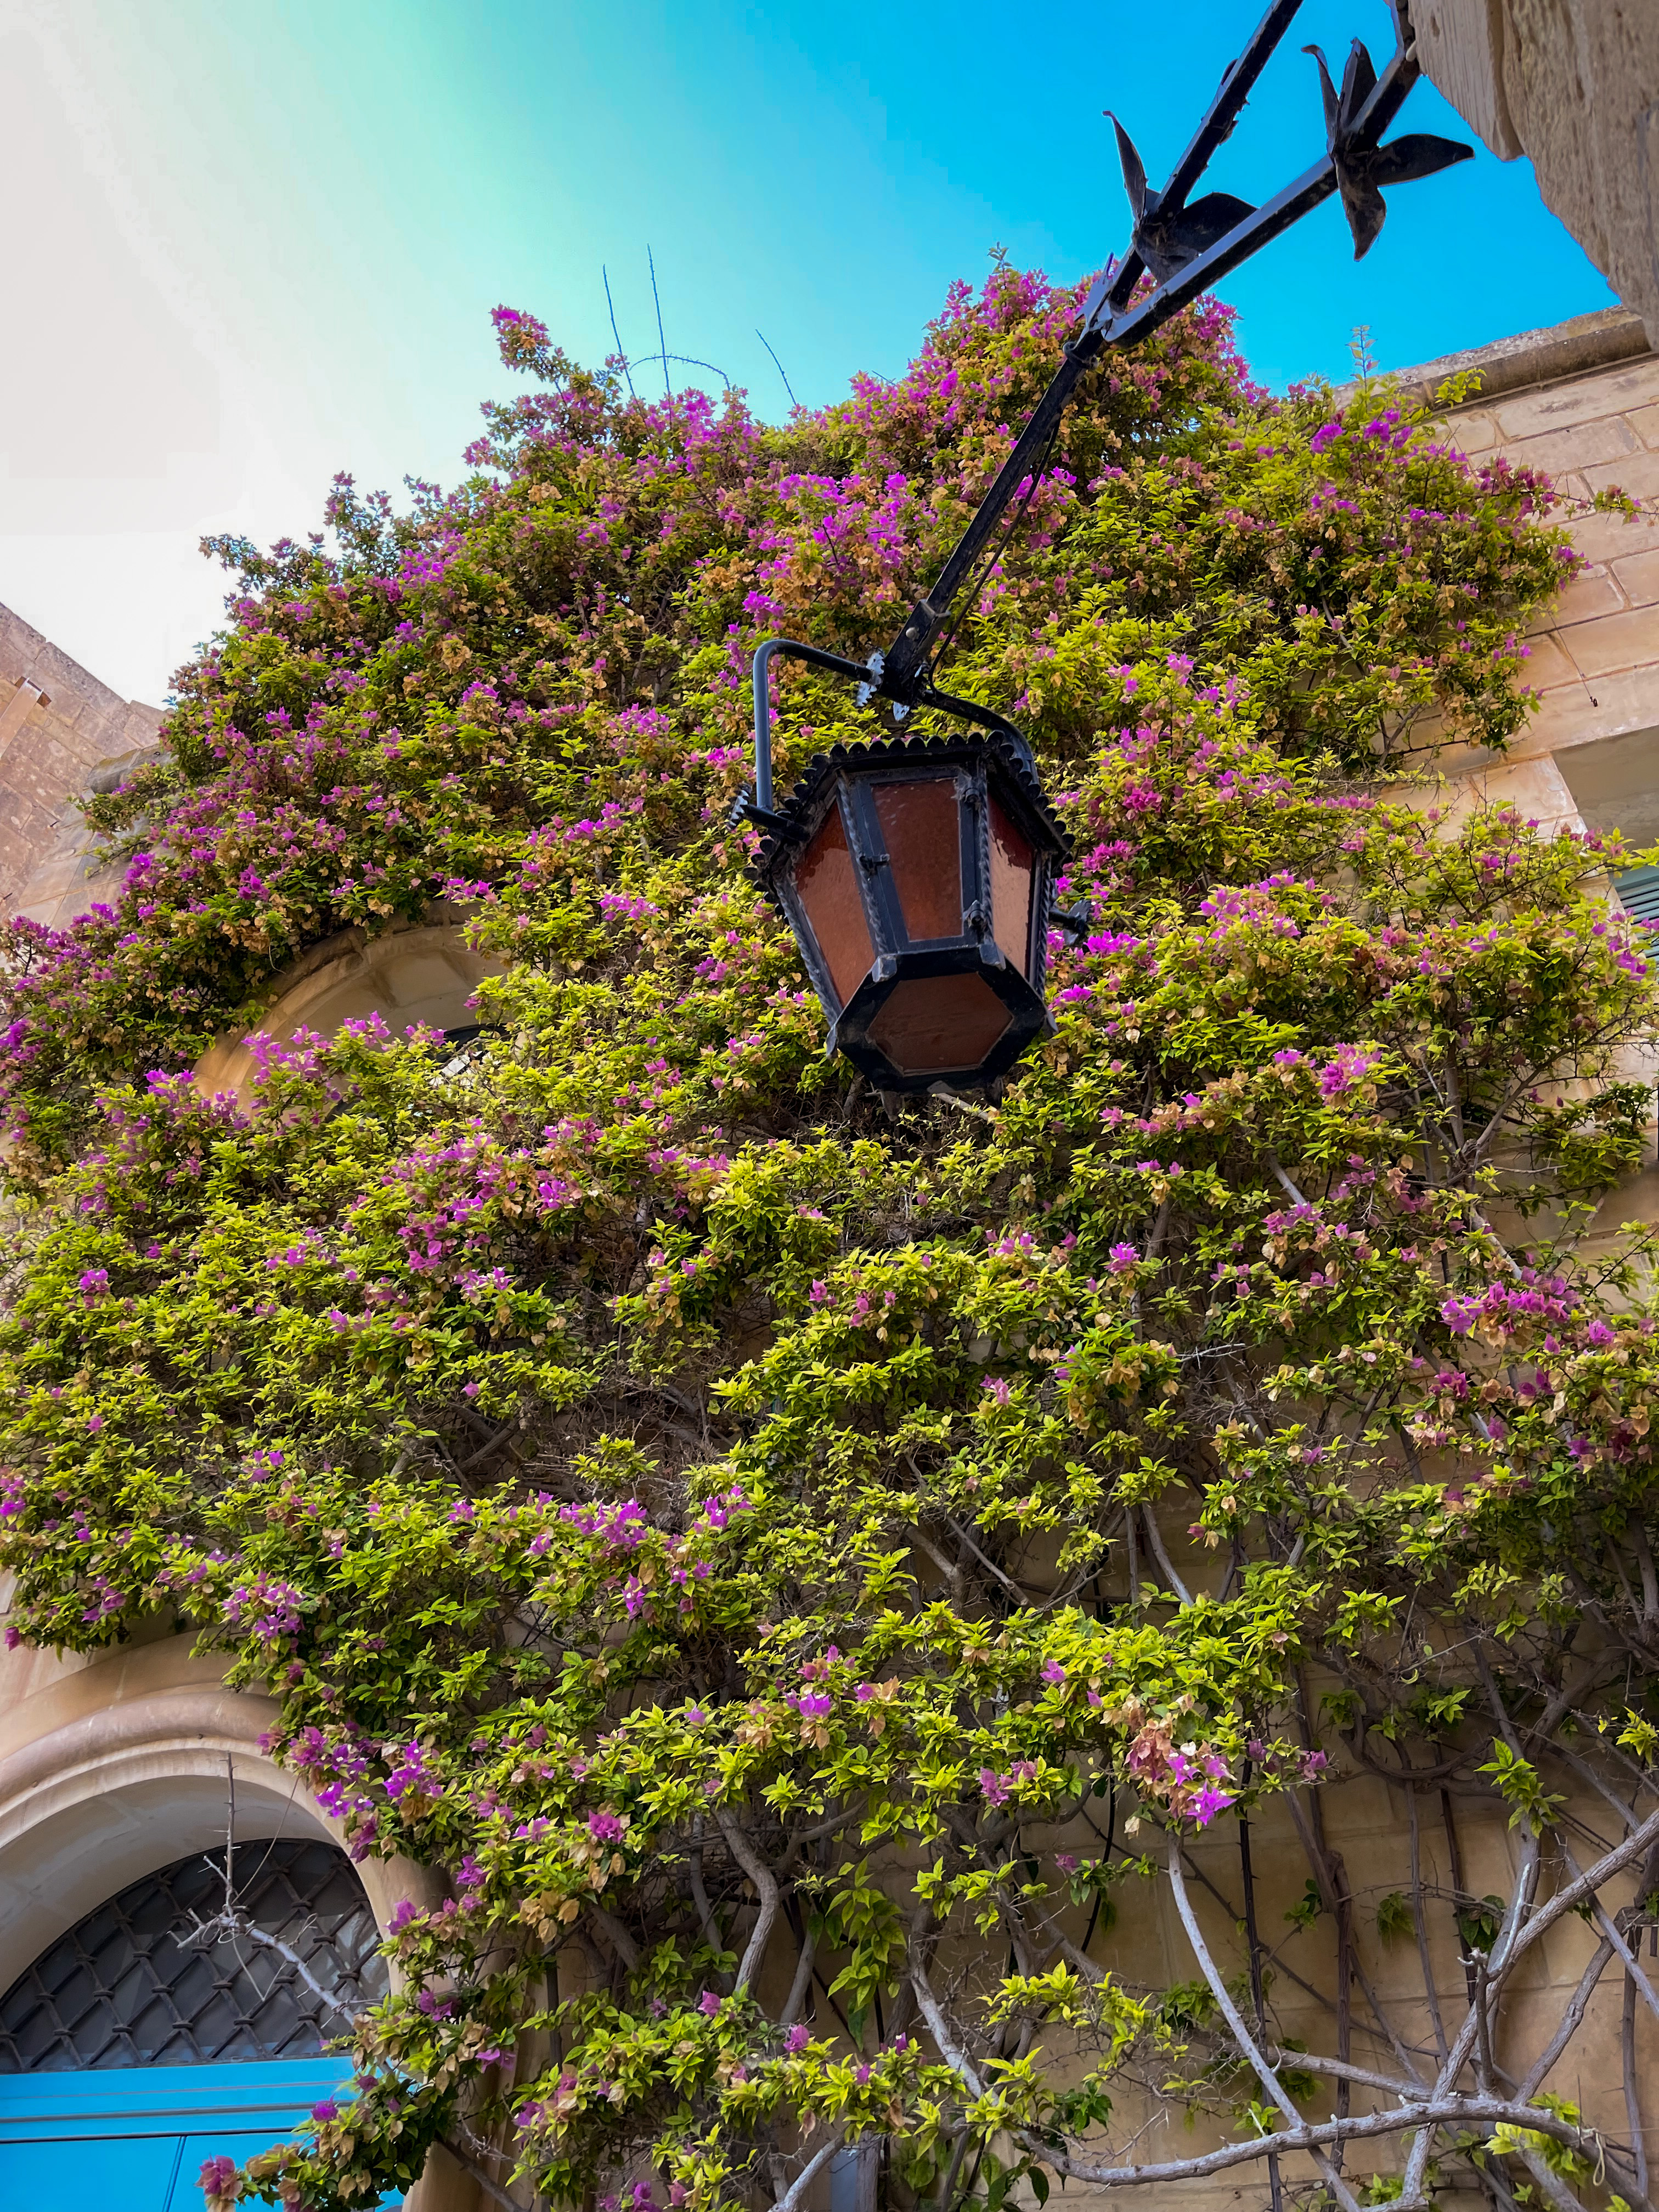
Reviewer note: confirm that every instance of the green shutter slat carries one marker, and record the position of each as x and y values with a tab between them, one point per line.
1639	893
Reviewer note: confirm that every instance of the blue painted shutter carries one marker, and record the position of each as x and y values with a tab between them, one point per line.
1639	893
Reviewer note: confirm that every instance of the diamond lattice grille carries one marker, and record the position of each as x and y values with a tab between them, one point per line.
129	1987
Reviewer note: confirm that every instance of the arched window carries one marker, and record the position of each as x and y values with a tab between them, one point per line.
176	2026
137	1984
426	974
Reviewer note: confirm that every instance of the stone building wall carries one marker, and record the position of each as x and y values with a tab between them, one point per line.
110	1763
1574	86
60	727
114	1764
1587	757
1592	747
1580	402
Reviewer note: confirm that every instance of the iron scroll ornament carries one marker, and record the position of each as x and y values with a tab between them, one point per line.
1184	246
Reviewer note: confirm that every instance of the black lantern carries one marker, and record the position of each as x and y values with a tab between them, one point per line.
917	876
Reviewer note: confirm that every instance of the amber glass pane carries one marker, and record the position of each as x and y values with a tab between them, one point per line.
829	890
1010	888
919	825
939	1022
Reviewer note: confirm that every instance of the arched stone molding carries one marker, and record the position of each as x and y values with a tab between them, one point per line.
111	1770
95	1803
421	973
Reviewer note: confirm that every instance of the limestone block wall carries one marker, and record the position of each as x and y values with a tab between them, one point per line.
1366	1824
1595	658
1580	402
58	725
1588	756
114	1764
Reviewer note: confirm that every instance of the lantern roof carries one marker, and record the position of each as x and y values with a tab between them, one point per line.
794	821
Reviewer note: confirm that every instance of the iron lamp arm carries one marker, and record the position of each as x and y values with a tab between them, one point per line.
761	809
1237	83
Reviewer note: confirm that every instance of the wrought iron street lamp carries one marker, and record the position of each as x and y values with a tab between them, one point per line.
917	874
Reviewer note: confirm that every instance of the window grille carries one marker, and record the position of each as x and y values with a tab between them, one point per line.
467	1046
133	1985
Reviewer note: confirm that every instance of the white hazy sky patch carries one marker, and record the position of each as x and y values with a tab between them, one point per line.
199	333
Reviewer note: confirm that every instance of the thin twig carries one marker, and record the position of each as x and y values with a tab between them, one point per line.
656	300
471	2167
1539	2071
797	2188
795	2003
1511	1940
778	365
766	1889
1420	1916
955	2058
1264	2073
616	333
616	1935
1258	1999
1428	2113
234	1925
1155	1537
1632	2097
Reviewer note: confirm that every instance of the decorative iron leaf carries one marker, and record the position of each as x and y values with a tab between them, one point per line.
1358	82
1363	205
1419	154
1168	242
1327	92
1211	218
1134	174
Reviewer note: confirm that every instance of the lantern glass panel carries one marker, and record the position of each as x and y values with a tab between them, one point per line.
1013	866
826	883
938	1022
920	827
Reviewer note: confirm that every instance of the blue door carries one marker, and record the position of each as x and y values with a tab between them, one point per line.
135	2139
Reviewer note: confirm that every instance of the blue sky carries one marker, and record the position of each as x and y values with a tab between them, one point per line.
256	244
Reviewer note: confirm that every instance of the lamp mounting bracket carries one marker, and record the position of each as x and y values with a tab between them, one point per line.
1185	246
918	875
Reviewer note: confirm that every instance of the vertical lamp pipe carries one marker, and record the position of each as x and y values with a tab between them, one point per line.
764	725
796	651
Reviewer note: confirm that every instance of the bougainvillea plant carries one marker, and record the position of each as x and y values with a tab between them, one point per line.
810	1581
